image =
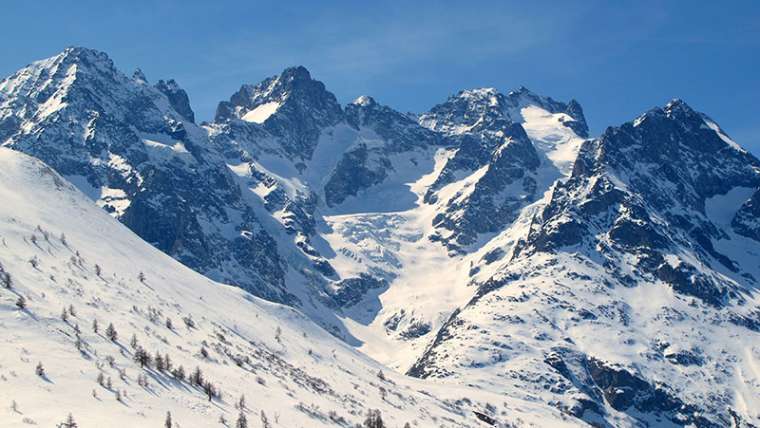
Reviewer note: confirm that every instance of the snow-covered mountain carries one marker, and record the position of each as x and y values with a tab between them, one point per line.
79	272
631	298
134	149
487	242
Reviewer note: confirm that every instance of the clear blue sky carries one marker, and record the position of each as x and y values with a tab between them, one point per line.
617	58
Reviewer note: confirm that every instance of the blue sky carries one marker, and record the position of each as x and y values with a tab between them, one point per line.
616	60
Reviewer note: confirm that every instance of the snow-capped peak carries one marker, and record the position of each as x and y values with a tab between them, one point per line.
295	73
293	87
489	110
364	101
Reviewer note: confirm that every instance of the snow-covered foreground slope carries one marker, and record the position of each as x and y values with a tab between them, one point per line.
65	255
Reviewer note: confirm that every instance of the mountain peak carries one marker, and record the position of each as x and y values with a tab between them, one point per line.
139	77
364	101
294	87
488	109
292	107
296	73
678	107
521	90
81	51
177	98
477	92
676	110
84	56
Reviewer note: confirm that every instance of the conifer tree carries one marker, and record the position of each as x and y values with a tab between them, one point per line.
265	421
159	362
374	419
141	356
241	422
69	423
196	378
167	363
179	373
111	332
209	389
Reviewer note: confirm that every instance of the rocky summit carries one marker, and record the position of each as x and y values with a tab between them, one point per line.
489	259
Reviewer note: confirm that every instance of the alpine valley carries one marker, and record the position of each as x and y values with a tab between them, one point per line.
307	263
